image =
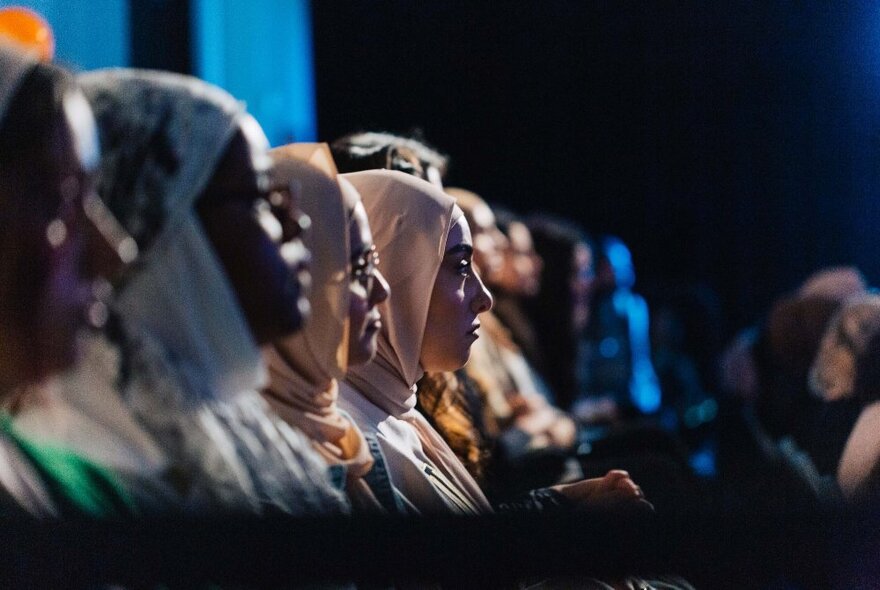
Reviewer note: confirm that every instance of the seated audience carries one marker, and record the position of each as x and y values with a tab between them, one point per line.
185	169
429	324
530	438
346	288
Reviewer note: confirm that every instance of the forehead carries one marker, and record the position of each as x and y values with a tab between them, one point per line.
483	217
359	229
459	233
520	236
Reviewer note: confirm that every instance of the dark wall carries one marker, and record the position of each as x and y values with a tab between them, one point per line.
161	35
733	143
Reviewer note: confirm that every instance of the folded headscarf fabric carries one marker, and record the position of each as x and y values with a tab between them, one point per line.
190	370
304	367
410	219
14	68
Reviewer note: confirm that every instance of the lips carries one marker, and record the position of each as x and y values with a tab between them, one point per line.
374	324
474	328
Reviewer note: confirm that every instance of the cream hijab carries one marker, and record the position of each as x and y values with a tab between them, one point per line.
411	220
304	367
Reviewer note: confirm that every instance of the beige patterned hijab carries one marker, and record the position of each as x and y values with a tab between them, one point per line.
304	367
410	219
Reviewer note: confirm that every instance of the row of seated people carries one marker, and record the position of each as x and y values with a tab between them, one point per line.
194	323
805	386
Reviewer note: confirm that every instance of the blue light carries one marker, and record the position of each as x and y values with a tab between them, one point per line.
88	35
261	52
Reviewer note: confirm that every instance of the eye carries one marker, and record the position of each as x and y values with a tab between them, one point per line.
464	267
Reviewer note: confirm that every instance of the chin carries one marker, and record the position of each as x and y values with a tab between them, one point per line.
364	353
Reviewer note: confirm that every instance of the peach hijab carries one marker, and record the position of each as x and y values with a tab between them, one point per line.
410	219
304	367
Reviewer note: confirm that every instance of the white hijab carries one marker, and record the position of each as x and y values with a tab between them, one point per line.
411	220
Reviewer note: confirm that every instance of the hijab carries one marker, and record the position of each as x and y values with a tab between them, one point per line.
189	370
305	366
411	220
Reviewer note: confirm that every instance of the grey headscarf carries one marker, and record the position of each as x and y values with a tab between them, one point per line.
191	370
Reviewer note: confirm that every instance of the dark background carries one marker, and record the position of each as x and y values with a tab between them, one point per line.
733	144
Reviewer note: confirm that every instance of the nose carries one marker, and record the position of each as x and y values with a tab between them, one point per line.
482	300
381	290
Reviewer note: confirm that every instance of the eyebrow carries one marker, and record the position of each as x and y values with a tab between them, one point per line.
460	248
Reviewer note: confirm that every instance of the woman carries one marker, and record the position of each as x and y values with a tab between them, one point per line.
346	289
428	324
50	228
185	169
422	240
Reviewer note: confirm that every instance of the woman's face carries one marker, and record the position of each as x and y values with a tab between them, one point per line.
51	251
255	229
458	298
521	272
488	241
367	289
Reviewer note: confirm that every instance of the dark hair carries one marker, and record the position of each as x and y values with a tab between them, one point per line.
26	129
376	150
551	310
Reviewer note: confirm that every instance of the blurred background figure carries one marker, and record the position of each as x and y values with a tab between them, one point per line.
616	344
371	150
58	248
518	281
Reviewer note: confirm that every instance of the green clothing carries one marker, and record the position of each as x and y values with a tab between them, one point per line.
77	486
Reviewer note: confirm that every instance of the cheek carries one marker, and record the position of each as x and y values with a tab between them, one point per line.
451	302
357	313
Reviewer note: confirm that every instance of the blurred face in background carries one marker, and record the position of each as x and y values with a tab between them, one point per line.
581	285
367	289
521	268
54	249
489	243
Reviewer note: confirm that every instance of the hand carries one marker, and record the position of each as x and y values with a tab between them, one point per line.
614	490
